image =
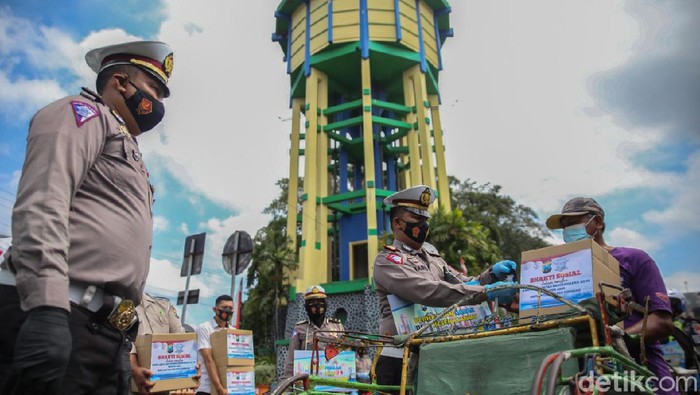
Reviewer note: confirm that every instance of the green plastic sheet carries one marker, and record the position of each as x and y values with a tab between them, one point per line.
498	365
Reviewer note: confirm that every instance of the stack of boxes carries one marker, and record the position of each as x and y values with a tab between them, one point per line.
233	354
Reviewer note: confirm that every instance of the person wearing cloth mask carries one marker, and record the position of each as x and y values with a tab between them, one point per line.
414	271
316	305
223	311
583	218
82	227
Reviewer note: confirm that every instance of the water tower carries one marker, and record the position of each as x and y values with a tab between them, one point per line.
365	106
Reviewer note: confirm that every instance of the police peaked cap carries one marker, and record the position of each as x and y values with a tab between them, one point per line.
415	199
154	57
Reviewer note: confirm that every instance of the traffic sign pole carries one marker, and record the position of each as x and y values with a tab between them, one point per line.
187	282
234	271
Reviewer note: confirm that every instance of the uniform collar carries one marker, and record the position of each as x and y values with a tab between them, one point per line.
405	247
323	323
215	324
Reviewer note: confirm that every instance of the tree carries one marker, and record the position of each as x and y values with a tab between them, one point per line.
273	258
454	237
513	227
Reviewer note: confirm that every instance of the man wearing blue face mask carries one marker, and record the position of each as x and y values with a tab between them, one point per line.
582	218
82	229
414	271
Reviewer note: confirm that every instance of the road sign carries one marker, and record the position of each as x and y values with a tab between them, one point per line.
238	252
192	297
196	252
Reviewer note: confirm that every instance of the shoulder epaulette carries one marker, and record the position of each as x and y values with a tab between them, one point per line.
430	249
91	95
390	248
302	322
334	320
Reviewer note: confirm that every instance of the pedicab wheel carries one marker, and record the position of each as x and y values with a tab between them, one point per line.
287	385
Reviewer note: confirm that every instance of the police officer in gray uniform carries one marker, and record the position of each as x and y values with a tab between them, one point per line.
156	315
414	271
82	229
316	304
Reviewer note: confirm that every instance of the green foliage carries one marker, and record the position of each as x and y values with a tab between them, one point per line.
513	227
265	370
454	236
273	258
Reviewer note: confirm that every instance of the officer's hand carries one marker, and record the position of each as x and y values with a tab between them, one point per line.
504	296
220	389
141	376
42	350
503	268
198	376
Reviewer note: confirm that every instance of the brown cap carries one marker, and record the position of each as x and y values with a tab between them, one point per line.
575	207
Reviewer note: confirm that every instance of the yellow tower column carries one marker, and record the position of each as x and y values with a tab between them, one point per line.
322	264
443	186
426	143
292	194
309	270
370	186
409	94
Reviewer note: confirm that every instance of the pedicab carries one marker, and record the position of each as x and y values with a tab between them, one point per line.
567	353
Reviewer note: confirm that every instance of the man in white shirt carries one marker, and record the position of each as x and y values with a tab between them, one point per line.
223	311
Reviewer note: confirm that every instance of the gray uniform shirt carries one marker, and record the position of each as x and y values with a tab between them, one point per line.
303	337
157	315
418	276
83	209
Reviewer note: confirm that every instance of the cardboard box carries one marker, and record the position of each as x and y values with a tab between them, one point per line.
409	317
238	380
172	357
232	347
341	367
572	270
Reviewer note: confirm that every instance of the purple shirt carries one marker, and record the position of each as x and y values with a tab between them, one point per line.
640	274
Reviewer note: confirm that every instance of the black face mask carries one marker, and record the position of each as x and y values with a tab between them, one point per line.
224	314
146	110
417	231
315	308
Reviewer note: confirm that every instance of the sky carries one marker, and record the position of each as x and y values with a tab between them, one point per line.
548	99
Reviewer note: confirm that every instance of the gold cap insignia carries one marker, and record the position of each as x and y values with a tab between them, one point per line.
168	65
425	197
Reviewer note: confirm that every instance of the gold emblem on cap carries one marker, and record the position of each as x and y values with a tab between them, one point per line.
151	67
314	290
425	197
168	65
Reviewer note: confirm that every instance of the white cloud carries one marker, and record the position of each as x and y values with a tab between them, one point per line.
514	103
221	132
49	51
680	280
165	276
21	98
160	223
184	229
681	215
627	237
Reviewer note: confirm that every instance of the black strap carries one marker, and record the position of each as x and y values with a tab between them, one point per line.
105	311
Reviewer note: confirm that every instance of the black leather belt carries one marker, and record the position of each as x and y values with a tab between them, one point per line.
119	313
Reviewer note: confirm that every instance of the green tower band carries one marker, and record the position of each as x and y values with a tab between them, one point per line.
365	118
